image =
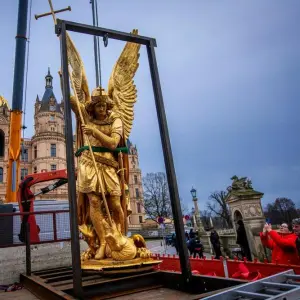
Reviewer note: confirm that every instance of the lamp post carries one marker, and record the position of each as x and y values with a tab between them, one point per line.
197	218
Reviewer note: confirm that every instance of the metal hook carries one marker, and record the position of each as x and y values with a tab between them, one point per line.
105	39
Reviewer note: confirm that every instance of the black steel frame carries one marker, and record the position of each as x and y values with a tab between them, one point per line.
60	29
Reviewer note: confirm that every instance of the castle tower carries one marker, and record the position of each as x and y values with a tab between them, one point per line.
135	189
4	134
48	143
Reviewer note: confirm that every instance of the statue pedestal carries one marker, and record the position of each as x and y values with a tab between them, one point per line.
245	205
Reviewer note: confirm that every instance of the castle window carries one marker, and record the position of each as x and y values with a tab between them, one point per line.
135	179
2	142
24	155
139	210
35	151
52	118
141	219
52	106
35	170
24	173
1	174
53	167
137	193
53	150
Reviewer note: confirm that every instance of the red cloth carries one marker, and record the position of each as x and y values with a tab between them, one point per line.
283	246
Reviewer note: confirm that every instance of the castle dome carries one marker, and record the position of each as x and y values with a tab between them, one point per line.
3	102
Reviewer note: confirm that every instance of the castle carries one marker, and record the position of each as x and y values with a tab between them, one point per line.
46	151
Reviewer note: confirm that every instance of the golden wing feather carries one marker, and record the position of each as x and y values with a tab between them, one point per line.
78	72
121	88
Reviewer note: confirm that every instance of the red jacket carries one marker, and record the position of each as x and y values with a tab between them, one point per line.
283	246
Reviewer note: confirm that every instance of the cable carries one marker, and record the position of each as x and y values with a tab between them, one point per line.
98	44
92	2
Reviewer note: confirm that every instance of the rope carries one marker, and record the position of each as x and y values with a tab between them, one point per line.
26	81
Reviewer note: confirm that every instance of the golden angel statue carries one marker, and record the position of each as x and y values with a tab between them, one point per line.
104	121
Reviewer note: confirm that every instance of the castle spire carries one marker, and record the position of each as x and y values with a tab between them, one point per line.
49	78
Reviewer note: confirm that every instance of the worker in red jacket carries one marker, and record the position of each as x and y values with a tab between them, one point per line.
296	229
282	243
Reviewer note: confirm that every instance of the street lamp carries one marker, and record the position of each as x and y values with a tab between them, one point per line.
194	193
197	218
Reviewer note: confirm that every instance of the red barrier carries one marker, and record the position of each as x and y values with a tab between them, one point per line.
261	269
236	269
244	273
208	267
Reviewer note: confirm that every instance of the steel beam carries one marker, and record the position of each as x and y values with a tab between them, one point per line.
75	246
99	31
28	249
169	164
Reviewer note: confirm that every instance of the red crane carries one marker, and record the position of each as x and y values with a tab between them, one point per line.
26	197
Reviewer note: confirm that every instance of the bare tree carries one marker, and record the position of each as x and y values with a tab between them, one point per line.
156	196
205	218
281	210
219	207
184	208
157	201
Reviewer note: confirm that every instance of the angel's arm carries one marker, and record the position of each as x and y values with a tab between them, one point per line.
112	141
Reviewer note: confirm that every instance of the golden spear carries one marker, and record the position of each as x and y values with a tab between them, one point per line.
83	122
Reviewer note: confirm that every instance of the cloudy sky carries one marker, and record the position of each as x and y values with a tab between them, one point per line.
230	74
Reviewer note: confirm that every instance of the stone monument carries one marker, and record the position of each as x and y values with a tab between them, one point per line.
245	204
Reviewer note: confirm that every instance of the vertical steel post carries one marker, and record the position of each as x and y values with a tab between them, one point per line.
28	250
54	226
169	164
75	246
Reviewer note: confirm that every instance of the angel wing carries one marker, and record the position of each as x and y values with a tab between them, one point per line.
78	72
121	88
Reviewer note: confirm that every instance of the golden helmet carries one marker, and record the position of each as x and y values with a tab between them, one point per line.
99	95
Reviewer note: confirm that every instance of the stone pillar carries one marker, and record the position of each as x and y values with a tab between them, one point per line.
197	216
245	204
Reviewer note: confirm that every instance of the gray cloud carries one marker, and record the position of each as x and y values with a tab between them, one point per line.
230	77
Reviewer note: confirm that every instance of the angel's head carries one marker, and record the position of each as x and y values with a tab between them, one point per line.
100	104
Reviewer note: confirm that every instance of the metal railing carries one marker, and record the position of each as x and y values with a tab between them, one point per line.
53	226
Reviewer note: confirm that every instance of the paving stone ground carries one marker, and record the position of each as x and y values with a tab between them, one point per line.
17	295
155	246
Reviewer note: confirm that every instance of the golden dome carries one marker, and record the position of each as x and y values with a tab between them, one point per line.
3	101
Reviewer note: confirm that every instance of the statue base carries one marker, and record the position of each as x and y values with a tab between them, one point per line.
110	266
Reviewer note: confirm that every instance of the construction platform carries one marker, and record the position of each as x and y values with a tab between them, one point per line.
58	284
